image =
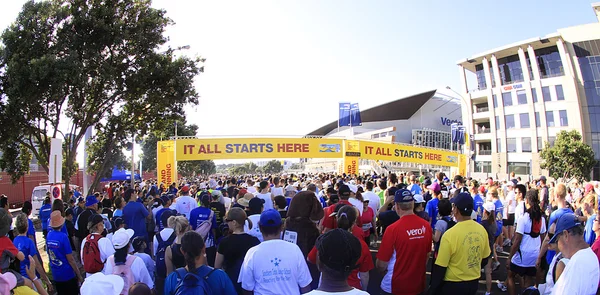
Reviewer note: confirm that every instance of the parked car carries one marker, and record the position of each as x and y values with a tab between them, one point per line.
39	193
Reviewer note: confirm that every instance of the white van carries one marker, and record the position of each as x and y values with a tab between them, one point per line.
39	193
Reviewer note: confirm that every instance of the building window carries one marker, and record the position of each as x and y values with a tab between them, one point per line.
526	144
524	118
562	116
510	70
480	73
483	167
549	118
498	145
521	97
507	99
546	93
540	144
549	62
511	145
534	94
519	168
509	121
497	122
495	99
538	123
560	95
551	140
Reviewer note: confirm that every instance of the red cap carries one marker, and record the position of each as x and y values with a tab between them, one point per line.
185	189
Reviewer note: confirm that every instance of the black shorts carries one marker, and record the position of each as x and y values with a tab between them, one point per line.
510	221
523	271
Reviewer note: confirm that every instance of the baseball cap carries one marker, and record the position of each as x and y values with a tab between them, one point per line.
164	217
165	198
402	196
489	206
93	220
515	182
589	187
270	217
427	182
339	250
464	203
118	221
185	189
435	187
91	201
100	283
353	188
565	222
543	178
80	200
8	281
121	237
344	190
255	204
418	199
482	189
510	183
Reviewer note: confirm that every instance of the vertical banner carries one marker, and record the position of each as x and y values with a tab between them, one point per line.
351	156
55	161
462	165
166	167
344	118
355	115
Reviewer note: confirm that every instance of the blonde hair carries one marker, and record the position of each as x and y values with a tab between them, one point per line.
179	223
560	191
494	191
22	223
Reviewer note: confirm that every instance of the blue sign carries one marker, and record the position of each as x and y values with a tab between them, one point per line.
344	118
355	115
448	122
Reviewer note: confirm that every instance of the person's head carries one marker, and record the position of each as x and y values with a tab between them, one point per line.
489	213
312	188
236	218
569	234
27	207
193	249
346	216
81	202
596	226
119	223
22	224
404	201
91	203
256	205
179	223
419	202
459	180
589	204
69	214
492	193
47	201
106	203
95	223
138	244
444	207
58	205
560	191
463	205
344	192
280	202
140	289
338	253
270	224
382	184
435	189
4	202
543	180
365	204
413	179
520	191
56	220
121	240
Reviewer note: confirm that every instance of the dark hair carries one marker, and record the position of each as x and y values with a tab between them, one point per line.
21	223
522	189
359	197
192	245
47	200
140	289
269	230
281	202
369	185
106	203
121	254
346	216
331	190
118	201
58	205
393	178
535	212
577	230
3	201
382	185
263	184
444	207
27	207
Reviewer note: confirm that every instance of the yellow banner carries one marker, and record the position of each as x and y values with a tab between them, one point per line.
253	148
166	166
407	153
351	156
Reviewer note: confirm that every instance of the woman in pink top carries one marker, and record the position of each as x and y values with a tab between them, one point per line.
368	222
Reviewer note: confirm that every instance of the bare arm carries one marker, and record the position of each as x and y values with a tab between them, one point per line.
71	261
560	267
437	235
381	266
306	289
219	261
515	247
168	260
40	268
364	280
34	265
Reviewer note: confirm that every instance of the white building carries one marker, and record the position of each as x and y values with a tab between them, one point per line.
528	91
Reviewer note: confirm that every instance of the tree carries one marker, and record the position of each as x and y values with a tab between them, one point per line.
167	131
90	63
193	168
272	167
569	158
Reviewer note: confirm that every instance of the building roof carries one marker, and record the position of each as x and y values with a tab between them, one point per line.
401	109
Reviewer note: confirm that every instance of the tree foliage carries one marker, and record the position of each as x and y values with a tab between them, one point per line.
193	168
88	62
162	133
272	167
569	158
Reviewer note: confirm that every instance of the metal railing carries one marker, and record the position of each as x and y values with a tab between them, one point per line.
483	130
484	152
482	109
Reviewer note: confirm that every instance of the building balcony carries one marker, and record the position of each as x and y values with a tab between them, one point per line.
482	137
484	152
482	109
483	130
481	116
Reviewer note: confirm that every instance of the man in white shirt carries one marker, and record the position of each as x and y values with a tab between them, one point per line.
372	197
274	266
265	195
184	204
511	204
96	227
582	273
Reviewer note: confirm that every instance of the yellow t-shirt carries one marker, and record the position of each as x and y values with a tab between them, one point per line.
461	250
24	290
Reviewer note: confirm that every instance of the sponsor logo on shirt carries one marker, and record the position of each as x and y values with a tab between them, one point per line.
416	233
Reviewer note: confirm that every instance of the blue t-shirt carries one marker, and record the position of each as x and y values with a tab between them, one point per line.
63	229
117	213
478	206
415	189
25	245
218	281
199	215
159	222
45	212
588	235
31	229
432	210
58	248
134	215
499	207
553	218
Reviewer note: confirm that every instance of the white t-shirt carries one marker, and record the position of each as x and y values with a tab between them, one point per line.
184	205
164	235
274	267
550	276
138	269
519	211
511	198
530	247
106	249
357	203
268	201
255	231
354	291
386	282
581	275
227	203
252	190
374	201
276	191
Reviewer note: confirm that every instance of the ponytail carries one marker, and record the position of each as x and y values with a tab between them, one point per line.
249	223
535	212
346	216
192	245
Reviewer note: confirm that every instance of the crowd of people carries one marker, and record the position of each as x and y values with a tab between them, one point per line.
308	233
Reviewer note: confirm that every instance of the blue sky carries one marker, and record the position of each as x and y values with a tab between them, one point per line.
281	67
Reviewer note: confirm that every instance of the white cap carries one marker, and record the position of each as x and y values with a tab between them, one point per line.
244	185
212	183
100	283
489	206
353	188
290	188
122	237
202	186
418	199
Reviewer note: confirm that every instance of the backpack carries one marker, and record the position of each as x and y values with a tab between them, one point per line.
536	227
204	228
161	267
124	271
192	283
91	254
449	221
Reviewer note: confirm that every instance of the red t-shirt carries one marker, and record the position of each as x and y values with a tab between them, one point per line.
7	244
411	238
330	222
596	248
367	218
365	263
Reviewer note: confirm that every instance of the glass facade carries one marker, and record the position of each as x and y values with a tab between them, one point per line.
526	144
519	168
507	99
562	116
511	145
538	123
510	70
521	97
497	122
524	120
432	138
540	144
480	73
560	94
483	167
498	145
549	62
509	121
495	99
534	94
549	119
546	93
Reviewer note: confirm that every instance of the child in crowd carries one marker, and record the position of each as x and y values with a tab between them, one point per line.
139	249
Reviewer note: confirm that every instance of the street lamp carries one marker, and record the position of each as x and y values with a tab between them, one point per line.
469	119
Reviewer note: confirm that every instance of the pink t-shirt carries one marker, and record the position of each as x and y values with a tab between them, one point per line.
596	248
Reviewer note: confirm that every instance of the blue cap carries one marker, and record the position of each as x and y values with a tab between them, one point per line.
270	218
565	222
90	201
403	196
80	199
464	202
